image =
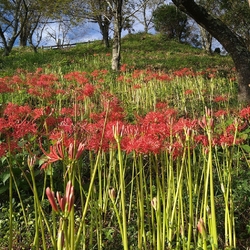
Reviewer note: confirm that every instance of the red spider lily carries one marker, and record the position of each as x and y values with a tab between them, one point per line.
163	77
23	128
161	106
11	146
95	73
37	113
159	117
15	123
188	92
220	98
41	85
203	139
184	124
149	144
175	149
3	149
120	78
236	126
220	113
137	73
88	90
66	125
136	86
206	122
76	76
228	140
16	112
184	72
55	154
123	68
4	86
245	113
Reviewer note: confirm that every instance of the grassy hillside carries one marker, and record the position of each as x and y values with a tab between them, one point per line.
138	50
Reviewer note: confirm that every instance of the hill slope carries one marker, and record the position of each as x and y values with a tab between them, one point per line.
138	50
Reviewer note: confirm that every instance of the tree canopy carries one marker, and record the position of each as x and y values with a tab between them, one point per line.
170	21
232	42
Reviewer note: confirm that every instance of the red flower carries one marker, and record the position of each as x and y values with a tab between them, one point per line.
55	154
220	113
188	92
184	124
79	77
123	67
88	90
202	139
245	113
4	88
220	98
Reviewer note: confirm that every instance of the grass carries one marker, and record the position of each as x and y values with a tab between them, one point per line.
138	50
155	156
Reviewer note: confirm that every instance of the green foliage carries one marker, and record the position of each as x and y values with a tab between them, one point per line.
171	22
138	50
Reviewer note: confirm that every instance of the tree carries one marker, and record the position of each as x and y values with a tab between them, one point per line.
21	18
236	14
170	21
13	16
145	12
233	43
99	11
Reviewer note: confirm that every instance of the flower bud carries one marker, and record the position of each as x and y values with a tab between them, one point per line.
51	198
154	203
201	228
112	194
61	201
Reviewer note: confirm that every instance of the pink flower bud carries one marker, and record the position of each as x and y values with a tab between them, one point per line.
201	227
71	151
69	196
51	198
71	201
61	201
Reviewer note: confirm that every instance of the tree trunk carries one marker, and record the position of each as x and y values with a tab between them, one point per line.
230	41
8	45
24	34
206	40
116	50
104	27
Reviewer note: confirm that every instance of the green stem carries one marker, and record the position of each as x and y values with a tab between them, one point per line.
10	208
211	183
123	197
190	193
87	200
